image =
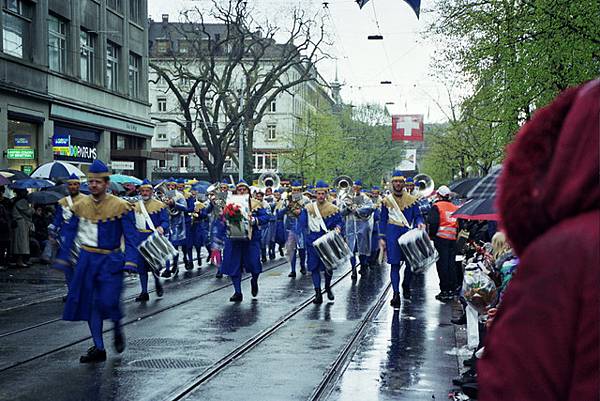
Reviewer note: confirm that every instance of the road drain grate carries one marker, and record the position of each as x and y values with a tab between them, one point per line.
159	341
169	363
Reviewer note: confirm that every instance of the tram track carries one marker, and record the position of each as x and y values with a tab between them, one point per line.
136	319
211	372
171	284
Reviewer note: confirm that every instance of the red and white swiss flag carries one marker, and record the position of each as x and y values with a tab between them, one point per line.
407	127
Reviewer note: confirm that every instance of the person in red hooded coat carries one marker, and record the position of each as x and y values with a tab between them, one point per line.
543	343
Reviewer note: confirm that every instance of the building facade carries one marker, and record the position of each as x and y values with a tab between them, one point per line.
73	84
273	136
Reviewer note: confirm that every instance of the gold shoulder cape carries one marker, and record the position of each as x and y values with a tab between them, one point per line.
154	206
63	201
326	209
111	208
255	204
403	202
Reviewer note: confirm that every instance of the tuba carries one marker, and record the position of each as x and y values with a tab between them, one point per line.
344	184
424	185
269	180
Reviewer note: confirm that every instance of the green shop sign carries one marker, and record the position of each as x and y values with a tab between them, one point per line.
20	154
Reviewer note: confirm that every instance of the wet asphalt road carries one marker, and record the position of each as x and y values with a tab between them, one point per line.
174	339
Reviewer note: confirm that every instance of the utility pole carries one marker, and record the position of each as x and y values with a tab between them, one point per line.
242	140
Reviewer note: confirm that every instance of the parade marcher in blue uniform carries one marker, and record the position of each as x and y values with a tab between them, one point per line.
200	223
218	230
317	218
156	211
100	222
177	225
294	233
188	260
399	213
357	209
278	213
375	198
270	201
265	226
62	215
241	256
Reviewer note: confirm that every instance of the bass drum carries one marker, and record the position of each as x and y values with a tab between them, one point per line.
332	250
418	250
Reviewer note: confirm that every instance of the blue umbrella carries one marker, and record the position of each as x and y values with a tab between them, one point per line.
113	186
31	183
125	179
56	169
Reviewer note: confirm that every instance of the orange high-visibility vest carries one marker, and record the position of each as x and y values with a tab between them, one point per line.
448	225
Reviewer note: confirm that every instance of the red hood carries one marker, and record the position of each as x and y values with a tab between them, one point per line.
552	169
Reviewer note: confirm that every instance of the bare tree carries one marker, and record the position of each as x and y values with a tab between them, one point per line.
225	75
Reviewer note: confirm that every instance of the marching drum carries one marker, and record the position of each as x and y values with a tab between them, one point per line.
418	250
157	250
332	250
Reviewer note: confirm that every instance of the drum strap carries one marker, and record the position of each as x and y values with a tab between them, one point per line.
318	219
70	201
146	215
396	213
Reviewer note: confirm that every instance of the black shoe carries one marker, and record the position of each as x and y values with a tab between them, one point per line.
395	302
254	286
468	377
318	297
353	276
303	270
362	270
175	272
166	274
459	321
207	258
263	259
447	297
189	265
406	293
119	341
159	289
272	256
330	295
292	274
471	390
143	297
93	355
281	252
237	297
219	275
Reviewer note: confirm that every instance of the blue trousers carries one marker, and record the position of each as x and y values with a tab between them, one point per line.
395	277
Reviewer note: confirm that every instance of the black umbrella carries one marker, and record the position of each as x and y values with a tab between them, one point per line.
478	209
13	174
61	189
486	187
462	187
44	197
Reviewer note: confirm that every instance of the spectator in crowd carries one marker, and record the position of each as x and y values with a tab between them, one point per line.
5	228
544	342
22	225
41	221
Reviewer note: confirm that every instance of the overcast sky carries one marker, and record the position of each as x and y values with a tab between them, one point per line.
403	57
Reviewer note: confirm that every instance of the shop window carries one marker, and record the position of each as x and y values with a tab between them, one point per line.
16	27
87	51
22	145
57	44
134	75
112	66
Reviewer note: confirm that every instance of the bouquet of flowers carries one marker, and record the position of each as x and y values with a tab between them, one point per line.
236	214
479	290
232	213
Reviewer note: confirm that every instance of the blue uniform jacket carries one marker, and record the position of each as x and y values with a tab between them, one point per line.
390	230
332	219
244	255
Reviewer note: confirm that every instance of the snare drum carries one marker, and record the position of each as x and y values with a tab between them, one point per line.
157	250
332	250
418	250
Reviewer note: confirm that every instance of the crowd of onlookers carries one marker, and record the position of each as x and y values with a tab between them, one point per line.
23	229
